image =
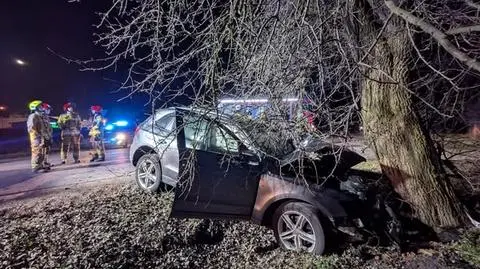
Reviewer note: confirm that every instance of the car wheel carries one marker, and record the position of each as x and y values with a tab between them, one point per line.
297	227
148	173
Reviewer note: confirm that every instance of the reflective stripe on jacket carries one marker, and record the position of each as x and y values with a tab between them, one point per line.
97	129
35	125
70	123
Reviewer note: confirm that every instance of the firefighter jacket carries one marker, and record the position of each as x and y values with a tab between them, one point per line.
98	127
70	123
47	128
35	126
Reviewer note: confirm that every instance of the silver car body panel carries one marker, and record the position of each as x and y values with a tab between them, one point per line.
162	141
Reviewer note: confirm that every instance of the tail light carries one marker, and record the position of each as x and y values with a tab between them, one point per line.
137	129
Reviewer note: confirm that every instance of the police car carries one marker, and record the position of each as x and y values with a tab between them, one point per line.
119	133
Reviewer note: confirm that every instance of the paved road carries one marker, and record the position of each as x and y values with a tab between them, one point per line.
17	180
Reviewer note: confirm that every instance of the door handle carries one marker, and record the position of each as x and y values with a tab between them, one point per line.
251	163
234	161
242	161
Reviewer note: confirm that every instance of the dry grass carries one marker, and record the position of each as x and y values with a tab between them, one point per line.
469	247
120	227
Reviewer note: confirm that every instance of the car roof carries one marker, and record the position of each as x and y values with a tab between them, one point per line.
212	113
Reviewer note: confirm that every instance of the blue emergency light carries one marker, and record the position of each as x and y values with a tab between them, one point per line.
121	123
109	127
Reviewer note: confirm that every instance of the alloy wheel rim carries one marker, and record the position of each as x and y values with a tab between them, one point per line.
296	232
147	175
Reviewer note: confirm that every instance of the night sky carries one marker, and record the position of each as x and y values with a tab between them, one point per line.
27	29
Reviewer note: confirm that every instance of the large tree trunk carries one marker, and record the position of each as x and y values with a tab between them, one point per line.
392	127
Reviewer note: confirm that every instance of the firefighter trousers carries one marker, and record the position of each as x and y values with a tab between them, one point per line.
38	156
70	142
98	149
46	152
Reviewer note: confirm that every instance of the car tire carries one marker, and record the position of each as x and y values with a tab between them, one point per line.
286	223
149	180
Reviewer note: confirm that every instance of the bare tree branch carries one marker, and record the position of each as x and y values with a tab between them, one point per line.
472	4
438	35
463	30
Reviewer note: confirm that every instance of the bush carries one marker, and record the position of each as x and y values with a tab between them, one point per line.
326	262
469	247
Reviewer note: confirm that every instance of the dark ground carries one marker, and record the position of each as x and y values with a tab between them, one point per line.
118	226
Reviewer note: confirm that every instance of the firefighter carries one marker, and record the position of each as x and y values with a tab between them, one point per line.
36	133
46	109
70	123
96	134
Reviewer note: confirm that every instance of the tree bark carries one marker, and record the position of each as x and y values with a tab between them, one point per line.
392	127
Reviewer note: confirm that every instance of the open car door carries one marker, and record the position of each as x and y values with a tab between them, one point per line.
215	179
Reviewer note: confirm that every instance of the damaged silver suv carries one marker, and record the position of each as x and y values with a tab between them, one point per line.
219	170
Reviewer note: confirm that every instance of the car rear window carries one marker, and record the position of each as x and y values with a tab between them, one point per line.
165	122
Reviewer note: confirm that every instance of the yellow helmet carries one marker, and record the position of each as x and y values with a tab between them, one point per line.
33	105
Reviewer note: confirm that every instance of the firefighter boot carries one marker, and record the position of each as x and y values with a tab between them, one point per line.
94	158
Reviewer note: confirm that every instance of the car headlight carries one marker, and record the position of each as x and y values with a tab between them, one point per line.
120	137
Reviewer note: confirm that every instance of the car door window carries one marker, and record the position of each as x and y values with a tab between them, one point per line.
195	129
221	141
205	134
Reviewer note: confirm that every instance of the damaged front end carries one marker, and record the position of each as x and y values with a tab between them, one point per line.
316	161
374	211
372	206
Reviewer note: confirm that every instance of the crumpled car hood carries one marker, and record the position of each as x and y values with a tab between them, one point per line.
322	157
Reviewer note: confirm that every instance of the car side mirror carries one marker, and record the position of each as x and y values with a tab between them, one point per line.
248	155
244	151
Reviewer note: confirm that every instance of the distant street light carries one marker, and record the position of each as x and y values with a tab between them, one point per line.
20	62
